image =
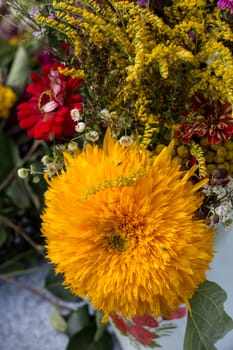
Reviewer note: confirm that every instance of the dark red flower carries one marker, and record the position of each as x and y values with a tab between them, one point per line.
179	313
46	115
148	321
119	323
205	116
222	130
141	334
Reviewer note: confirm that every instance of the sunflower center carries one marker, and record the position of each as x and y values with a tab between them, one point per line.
117	242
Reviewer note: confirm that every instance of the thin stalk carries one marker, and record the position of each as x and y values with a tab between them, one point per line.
35	291
6	222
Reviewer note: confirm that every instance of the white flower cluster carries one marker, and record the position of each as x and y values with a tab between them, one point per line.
54	164
220	202
76	117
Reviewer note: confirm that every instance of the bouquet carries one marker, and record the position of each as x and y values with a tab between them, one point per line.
135	107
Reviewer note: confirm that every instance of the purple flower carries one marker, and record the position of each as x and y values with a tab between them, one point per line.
143	3
34	11
192	35
223	4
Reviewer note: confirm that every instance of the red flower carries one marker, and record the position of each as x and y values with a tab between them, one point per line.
47	113
223	130
141	334
215	121
148	321
119	323
179	313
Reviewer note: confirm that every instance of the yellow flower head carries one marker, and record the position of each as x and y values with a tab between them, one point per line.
121	226
7	100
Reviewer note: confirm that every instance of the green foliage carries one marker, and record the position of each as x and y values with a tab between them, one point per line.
53	284
101	327
7	53
57	321
84	340
78	320
208	322
3	235
19	72
20	201
7	161
85	332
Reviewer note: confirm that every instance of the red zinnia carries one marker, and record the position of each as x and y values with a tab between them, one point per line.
47	114
215	121
141	334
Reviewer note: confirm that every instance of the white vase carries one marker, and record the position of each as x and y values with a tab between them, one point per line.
221	273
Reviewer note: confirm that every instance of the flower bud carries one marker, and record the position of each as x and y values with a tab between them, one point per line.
126	141
80	127
75	115
23	173
72	146
92	136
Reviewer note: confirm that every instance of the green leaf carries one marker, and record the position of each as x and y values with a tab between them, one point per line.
78	320
7	162
7	53
18	193
3	235
101	327
84	340
53	283
208	322
19	72
57	321
105	343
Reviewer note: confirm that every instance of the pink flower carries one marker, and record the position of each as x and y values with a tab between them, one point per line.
223	4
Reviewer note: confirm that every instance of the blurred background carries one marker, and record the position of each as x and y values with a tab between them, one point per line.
36	311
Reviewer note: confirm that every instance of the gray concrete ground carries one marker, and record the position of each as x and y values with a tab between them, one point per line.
25	318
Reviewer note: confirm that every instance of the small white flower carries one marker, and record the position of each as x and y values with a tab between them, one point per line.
80	127
72	146
45	160
75	115
51	169
23	173
126	141
92	136
207	189
219	191
60	148
36	179
104	113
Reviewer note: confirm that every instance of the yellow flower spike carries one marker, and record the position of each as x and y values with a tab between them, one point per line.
73	72
132	247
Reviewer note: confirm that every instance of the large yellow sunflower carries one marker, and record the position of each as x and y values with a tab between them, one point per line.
121	226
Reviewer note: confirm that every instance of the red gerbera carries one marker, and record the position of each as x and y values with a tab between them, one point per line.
215	121
47	114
